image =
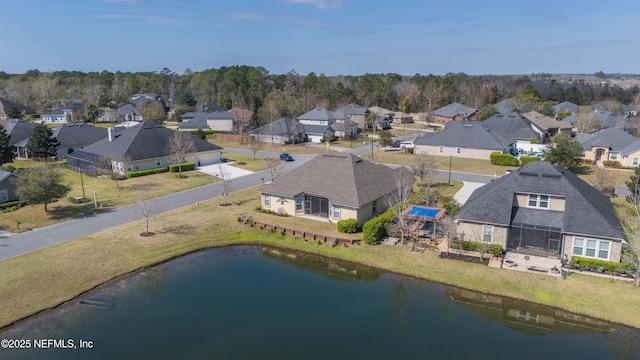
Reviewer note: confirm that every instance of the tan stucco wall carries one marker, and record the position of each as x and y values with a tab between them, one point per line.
451	151
555	203
615	252
627	161
288	205
473	232
206	158
220	125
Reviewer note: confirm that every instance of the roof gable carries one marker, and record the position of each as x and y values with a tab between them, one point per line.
455	109
318	114
513	126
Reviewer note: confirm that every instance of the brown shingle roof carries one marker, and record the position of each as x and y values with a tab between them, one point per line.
344	179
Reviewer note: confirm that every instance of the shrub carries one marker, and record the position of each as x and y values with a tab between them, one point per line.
132	174
375	229
186	166
348	226
9	168
534	141
258	208
12	206
503	159
612	163
493	249
524	160
608	266
409	150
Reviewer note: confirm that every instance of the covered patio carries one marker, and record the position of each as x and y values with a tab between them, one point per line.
425	221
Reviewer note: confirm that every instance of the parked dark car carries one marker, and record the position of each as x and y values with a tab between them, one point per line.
286	157
396	143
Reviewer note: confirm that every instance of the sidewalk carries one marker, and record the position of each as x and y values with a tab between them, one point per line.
465	192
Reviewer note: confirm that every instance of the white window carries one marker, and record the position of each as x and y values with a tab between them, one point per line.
336	211
613	156
441	150
591	248
487	234
539	201
267	200
299	200
458	150
3	196
635	161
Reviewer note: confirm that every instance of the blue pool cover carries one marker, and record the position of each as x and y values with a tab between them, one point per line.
426	212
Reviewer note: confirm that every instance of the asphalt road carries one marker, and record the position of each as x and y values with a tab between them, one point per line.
36	239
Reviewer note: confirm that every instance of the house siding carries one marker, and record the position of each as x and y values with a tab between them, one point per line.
9	184
474	232
451	151
220	125
614	252
555	203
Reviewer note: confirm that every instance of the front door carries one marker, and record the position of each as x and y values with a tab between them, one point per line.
599	153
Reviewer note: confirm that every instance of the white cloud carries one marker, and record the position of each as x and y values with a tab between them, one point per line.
246	16
320	4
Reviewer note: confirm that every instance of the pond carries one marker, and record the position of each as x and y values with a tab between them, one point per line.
251	302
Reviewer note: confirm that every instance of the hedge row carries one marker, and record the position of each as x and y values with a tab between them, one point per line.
493	249
132	174
524	160
612	164
12	205
503	159
375	229
186	166
348	226
607	266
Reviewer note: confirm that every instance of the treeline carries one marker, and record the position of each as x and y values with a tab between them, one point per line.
272	96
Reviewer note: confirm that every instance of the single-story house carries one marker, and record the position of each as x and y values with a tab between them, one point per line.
467	139
546	125
513	126
8	108
615	106
543	209
334	186
402	118
140	147
280	131
73	137
505	106
20	131
453	112
8	186
129	112
64	114
612	144
219	120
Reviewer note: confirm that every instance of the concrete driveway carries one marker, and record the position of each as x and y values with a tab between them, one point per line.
233	171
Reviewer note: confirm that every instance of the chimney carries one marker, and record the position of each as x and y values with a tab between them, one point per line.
110	132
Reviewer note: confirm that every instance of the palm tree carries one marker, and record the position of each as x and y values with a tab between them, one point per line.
92	113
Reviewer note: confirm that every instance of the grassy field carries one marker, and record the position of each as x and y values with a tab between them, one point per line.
108	196
246	161
44	279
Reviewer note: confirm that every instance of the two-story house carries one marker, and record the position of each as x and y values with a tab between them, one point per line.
543	209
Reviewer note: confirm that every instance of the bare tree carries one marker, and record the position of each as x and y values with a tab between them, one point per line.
145	209
225	177
180	145
398	200
274	168
433	94
241	121
254	145
603	180
425	168
587	122
631	224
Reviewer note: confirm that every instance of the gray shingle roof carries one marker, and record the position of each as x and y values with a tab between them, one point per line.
565	106
512	126
587	211
19	130
4	175
455	109
198	120
344	179
352	109
316	129
611	120
504	106
465	134
615	139
318	114
281	127
73	135
146	140
570	119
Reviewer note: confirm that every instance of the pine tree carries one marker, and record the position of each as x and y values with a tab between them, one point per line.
41	144
6	152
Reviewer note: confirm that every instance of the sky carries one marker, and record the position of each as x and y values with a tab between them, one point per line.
334	37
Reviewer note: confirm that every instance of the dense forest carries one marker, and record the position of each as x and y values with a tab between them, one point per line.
292	94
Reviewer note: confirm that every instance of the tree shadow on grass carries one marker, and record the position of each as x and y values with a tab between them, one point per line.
143	187
581	170
178	230
75	211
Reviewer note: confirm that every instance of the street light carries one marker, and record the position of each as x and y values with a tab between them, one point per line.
450	158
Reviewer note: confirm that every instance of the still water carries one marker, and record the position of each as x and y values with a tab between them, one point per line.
255	303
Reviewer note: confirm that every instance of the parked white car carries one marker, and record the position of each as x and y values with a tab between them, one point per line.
407	145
